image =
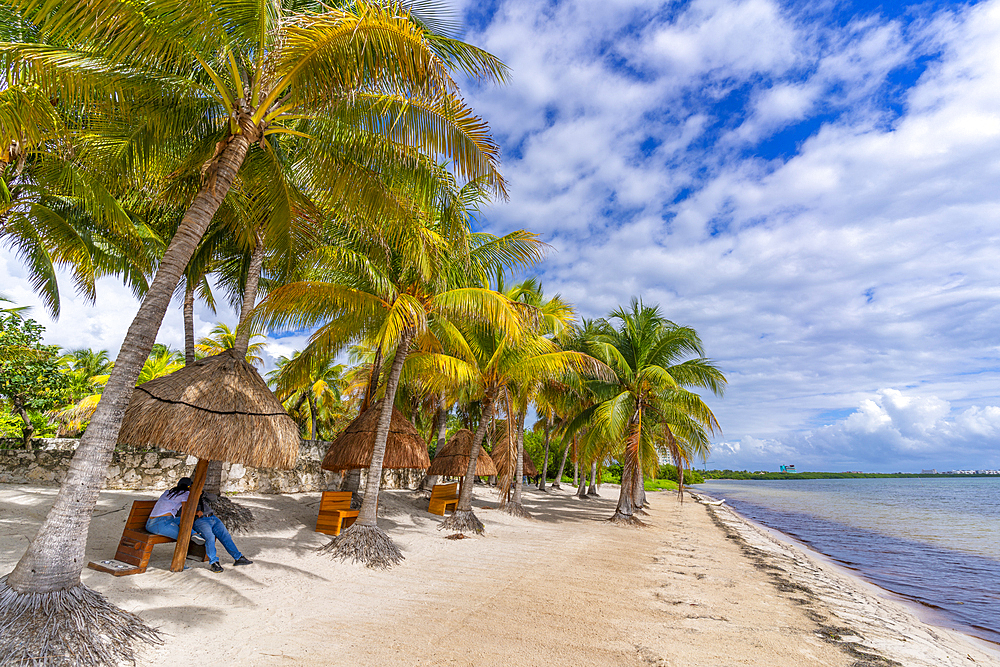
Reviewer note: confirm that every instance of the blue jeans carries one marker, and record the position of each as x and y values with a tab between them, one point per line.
211	527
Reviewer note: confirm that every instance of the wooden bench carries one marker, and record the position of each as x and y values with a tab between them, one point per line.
136	545
444	497
335	512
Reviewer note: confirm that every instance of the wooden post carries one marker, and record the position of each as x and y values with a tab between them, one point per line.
188	515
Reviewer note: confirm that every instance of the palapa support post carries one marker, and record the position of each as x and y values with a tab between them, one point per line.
188	516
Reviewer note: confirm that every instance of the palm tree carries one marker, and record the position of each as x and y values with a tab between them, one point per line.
83	365
319	390
222	338
365	90
648	355
161	361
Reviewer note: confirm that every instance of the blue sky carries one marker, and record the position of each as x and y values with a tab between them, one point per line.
812	186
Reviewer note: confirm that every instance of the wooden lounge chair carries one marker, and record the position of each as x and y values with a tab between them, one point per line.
136	545
444	497
335	512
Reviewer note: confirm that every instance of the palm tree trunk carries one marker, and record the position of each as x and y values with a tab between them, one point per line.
557	484
514	506
243	329
352	483
545	459
581	489
440	431
313	418
56	557
189	355
213	478
463	519
364	541
592	491
639	491
372	380
625	511
234	516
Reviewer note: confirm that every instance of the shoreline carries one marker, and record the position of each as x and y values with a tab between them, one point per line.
883	621
696	588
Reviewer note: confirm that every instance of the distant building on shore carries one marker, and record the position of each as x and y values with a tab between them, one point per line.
787	468
932	471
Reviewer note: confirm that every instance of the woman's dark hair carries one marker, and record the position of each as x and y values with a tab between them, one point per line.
183	484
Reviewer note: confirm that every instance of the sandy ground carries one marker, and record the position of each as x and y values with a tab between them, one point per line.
700	587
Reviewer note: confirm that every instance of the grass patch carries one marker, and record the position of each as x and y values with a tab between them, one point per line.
660	485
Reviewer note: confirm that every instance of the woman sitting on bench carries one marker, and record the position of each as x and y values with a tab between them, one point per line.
164	520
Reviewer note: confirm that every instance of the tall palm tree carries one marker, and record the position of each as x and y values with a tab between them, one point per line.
650	358
365	89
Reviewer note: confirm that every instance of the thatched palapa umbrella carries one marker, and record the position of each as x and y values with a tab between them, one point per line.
218	408
529	466
353	448
453	458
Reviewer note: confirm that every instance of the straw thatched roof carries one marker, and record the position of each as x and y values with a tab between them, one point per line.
353	448
218	408
453	458
529	466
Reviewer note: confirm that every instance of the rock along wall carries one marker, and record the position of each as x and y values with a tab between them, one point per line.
47	461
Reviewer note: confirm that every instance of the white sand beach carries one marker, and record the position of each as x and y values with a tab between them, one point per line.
700	587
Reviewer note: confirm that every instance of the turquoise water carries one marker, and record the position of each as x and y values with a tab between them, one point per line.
933	541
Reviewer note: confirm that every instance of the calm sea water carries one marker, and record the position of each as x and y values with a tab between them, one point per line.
933	541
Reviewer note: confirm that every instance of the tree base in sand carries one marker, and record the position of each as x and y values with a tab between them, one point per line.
593	494
515	509
77	627
365	544
620	519
237	519
463	521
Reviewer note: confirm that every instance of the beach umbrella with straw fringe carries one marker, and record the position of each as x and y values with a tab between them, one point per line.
500	461
453	458
353	448
218	409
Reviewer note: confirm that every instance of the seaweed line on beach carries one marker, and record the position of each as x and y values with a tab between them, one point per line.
813	607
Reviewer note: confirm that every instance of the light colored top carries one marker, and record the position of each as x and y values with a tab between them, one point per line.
169	505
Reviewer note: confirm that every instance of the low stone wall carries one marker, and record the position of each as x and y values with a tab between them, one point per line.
157	469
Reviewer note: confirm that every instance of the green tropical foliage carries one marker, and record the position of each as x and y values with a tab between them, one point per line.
30	377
